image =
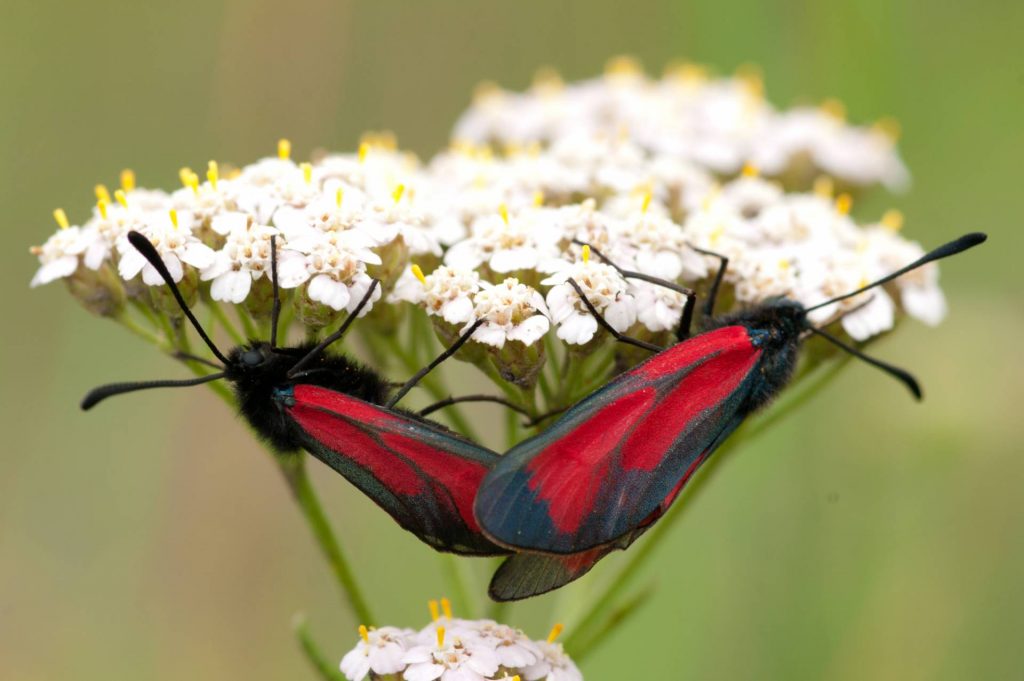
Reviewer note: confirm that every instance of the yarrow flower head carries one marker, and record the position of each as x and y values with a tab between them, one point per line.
451	649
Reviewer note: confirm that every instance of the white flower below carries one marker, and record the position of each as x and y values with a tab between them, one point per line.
446	292
452	657
379	650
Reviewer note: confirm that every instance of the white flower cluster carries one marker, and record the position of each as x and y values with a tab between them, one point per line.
451	649
718	124
501	233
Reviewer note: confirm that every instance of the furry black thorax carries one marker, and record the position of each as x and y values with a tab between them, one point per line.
258	373
776	327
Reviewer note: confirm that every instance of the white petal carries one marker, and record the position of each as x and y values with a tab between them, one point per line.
231	287
131	263
578	329
225	223
424	671
152	278
872	319
530	330
458	311
926	303
323	289
483	661
355	665
55	269
95	254
621	314
490	334
291	269
197	254
511	259
221	264
463	255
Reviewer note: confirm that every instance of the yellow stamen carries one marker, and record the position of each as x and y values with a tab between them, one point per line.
397	194
844	202
888	126
555	631
646	202
547	78
101	205
834	108
824	186
752	77
174	217
446	607
623	65
189	179
364	149
339	196
128	179
538	198
503	212
284	149
586	253
711	197
121	198
212	174
364	633
62	218
432	604
750	170
418	273
307	172
486	89
440	637
686	71
783	265
102	193
892	220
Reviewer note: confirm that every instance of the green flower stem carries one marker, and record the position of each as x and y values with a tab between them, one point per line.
797	396
247	323
294	470
127	322
220	316
327	670
453	571
616	617
431	384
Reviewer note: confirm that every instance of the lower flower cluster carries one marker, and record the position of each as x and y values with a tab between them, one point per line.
452	649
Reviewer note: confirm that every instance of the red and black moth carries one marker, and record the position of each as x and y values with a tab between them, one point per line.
424	475
609	467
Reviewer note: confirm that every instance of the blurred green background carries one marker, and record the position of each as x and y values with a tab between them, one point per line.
868	537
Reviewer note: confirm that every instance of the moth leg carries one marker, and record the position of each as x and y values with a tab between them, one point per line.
723	263
686	318
411	383
441	404
546	415
621	337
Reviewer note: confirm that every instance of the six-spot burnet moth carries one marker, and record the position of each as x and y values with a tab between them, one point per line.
609	467
424	475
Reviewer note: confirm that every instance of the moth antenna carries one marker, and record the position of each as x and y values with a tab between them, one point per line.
900	375
944	251
148	251
276	311
318	350
97	395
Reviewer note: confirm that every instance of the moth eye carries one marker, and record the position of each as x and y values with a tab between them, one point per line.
252	358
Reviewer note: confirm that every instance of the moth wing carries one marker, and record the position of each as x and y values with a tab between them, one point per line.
608	463
423	475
